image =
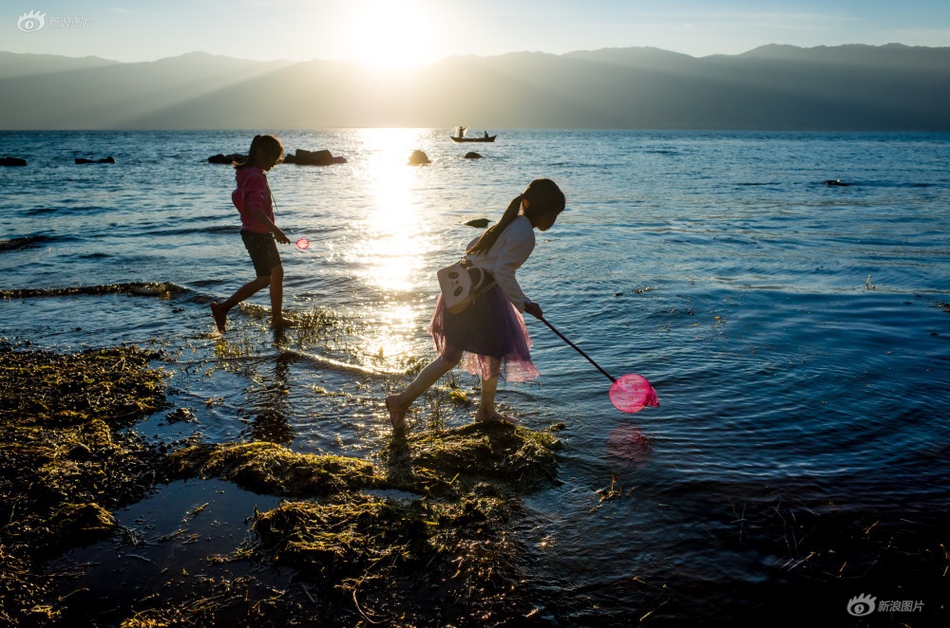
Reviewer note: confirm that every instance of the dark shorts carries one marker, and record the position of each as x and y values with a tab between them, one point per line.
263	251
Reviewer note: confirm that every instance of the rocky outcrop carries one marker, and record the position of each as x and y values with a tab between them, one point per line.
12	161
105	160
300	157
313	158
226	159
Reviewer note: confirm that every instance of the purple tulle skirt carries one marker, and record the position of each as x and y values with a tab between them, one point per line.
489	337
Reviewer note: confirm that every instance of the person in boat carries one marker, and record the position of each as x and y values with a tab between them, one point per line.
489	337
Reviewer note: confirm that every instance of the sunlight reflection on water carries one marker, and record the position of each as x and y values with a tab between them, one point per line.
394	243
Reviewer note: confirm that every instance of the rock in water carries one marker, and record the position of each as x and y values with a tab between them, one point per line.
418	157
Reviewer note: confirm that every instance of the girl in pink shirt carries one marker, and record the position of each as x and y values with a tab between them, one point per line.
252	198
489	337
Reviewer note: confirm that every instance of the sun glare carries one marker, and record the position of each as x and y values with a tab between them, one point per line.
393	224
391	34
396	234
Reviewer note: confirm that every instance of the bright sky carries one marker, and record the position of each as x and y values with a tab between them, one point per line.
404	33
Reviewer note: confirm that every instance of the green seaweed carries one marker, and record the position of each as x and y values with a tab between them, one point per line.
65	462
361	555
391	561
453	461
272	469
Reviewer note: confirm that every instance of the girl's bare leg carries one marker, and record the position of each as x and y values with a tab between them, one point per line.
398	404
277	297
220	311
486	404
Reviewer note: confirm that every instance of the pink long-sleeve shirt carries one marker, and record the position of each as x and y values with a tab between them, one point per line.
252	198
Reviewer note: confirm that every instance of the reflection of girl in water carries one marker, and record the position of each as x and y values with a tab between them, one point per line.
489	337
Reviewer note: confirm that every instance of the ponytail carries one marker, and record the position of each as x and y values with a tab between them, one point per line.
489	238
260	145
542	195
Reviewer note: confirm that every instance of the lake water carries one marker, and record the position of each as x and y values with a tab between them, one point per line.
798	335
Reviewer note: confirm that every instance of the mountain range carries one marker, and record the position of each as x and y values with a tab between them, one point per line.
853	87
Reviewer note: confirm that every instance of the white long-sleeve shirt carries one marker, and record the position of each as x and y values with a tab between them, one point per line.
509	252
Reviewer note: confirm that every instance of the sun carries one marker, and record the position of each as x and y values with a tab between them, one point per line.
391	34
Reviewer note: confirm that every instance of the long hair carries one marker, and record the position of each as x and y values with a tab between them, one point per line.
543	195
261	145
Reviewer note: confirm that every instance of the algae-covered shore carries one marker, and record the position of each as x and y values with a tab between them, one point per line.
108	519
418	536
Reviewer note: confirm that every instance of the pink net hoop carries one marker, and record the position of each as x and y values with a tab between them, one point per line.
631	393
303	243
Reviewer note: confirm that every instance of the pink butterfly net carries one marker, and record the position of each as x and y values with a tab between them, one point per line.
631	393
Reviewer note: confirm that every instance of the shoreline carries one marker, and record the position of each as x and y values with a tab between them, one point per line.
428	528
431	532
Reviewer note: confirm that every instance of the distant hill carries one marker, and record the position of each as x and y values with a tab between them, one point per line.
855	87
13	65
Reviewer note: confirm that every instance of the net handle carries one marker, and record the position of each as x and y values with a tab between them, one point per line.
576	348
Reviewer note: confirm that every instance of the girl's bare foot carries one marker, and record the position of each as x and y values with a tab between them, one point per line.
494	417
396	413
220	317
281	323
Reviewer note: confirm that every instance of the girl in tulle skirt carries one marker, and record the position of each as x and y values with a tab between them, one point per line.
489	337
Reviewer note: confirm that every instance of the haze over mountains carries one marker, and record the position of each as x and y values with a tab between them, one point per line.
855	87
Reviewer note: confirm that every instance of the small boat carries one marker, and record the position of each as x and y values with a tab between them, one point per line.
485	138
460	136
